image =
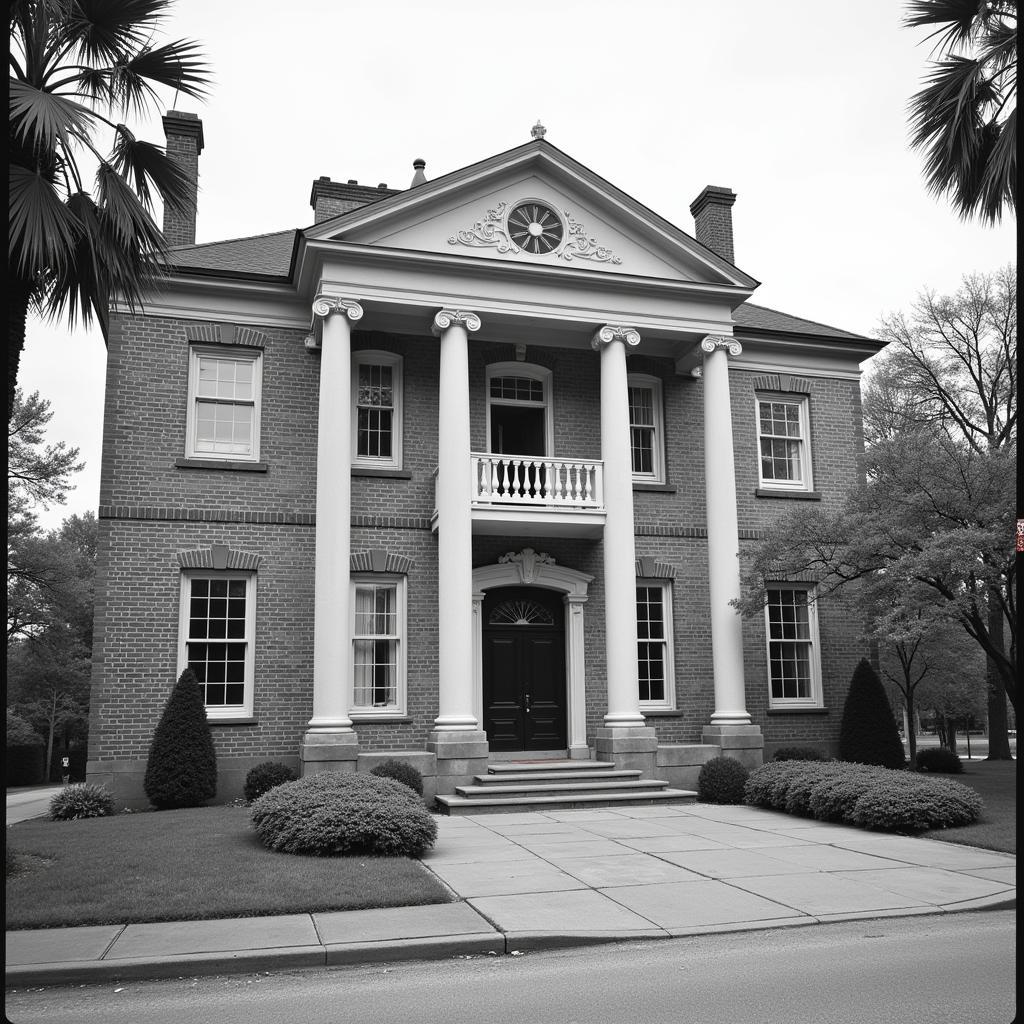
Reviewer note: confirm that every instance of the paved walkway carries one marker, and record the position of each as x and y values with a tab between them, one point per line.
559	878
29	802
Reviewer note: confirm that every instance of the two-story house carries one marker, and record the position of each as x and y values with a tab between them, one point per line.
466	471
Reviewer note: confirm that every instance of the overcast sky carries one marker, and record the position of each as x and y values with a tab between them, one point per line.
800	108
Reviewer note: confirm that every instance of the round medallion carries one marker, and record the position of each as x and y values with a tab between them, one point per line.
535	227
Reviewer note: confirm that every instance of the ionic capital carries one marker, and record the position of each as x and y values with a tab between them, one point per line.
324	305
713	341
615	332
444	318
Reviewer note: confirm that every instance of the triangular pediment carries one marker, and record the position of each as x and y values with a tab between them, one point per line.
476	212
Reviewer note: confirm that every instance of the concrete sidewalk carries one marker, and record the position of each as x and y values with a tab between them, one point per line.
558	878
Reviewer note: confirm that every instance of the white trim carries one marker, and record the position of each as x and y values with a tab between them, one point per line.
669	701
803	404
816	699
654	385
225	353
245	709
372	357
574	586
360	713
531	371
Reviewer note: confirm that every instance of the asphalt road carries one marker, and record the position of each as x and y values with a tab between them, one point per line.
949	969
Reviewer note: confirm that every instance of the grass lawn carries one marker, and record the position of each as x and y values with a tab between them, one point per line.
187	865
996	784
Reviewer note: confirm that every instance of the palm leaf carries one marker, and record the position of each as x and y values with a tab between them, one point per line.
176	65
143	164
46	121
105	31
83	289
42	231
955	20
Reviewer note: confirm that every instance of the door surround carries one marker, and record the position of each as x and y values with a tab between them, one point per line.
533	569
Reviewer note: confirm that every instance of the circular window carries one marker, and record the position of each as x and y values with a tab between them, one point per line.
535	227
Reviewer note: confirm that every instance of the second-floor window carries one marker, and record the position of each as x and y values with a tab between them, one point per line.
783	442
377	409
224	404
646	434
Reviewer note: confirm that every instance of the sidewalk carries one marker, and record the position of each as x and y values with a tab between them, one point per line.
560	878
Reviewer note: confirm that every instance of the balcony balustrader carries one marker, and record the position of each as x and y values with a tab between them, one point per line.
534	482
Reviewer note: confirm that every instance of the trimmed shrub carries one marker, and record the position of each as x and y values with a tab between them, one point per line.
832	799
916	804
798	754
264	777
400	771
868	733
81	800
182	766
333	813
939	759
721	781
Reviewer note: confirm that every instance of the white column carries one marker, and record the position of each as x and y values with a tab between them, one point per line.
619	541
723	533
454	527
332	655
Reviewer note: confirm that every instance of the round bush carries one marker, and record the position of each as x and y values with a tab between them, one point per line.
938	759
798	754
400	771
721	781
899	805
264	777
82	800
333	813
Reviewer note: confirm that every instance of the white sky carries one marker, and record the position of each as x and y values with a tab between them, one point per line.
798	107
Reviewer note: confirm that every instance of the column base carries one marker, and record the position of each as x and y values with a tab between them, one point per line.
630	747
328	752
742	742
460	755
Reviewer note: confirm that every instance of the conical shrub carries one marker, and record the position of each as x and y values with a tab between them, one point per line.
182	766
868	733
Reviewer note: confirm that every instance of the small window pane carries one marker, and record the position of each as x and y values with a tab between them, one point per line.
517	389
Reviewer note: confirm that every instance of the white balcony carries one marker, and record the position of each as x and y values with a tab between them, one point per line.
531	496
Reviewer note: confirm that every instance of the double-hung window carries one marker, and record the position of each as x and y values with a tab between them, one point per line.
794	664
783	442
377	410
654	643
217	627
378	647
224	385
646	432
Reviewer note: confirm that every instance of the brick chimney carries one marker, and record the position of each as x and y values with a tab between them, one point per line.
332	198
184	134
712	219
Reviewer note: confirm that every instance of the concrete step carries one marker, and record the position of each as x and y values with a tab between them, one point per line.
456	804
503	778
499	767
529	788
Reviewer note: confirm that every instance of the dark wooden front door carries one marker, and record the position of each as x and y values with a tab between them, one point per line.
524	669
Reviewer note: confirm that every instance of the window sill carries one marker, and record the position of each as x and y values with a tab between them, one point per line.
639	485
243	467
798	711
239	720
358	716
391	474
770	492
661	713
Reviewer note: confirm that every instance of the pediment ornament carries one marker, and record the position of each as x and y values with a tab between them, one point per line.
528	561
493	232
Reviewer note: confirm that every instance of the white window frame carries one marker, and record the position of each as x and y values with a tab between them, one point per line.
815	699
669	701
803	404
532	372
245	709
654	385
363	713
370	357
235	354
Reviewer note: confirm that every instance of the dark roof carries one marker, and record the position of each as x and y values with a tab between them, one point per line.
764	319
267	255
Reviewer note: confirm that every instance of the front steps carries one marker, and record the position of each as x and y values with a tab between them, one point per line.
511	786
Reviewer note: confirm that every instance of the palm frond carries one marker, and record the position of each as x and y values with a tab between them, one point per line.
955	21
998	185
143	164
176	65
42	231
105	31
45	121
82	290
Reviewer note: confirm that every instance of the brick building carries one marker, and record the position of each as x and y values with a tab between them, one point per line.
468	471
